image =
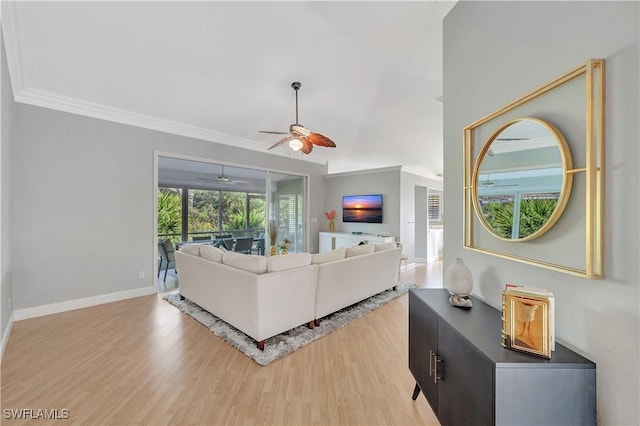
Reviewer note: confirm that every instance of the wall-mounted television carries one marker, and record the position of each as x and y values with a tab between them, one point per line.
362	208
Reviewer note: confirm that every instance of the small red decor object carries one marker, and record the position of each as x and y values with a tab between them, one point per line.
330	214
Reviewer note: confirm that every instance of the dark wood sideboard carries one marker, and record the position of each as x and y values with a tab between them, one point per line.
468	378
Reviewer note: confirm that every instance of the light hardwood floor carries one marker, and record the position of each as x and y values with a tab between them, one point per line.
142	361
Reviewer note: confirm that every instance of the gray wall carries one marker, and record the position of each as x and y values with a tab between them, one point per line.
6	288
385	181
83	202
495	52
398	188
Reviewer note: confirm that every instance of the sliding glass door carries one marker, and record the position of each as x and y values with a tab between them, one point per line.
287	211
199	200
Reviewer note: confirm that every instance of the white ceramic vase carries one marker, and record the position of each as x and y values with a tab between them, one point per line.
459	281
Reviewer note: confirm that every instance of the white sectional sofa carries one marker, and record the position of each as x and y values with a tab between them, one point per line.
362	272
265	296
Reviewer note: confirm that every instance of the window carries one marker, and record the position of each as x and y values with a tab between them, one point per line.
209	212
433	207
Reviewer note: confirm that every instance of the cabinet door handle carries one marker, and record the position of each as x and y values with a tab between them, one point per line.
435	368
430	362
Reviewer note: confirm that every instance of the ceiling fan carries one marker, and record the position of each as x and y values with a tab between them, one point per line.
300	138
490	151
222	178
488	183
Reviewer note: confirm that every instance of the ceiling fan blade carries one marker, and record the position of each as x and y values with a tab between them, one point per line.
281	141
320	140
307	145
273	133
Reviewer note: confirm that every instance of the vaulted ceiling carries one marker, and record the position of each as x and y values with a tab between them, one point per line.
371	72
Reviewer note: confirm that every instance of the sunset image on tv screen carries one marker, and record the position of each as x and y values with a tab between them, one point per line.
362	208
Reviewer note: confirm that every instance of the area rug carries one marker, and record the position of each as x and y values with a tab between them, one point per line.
283	344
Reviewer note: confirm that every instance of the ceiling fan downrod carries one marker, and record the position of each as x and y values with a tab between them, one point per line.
296	85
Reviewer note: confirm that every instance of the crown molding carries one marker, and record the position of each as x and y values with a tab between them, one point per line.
89	109
76	106
404	169
417	173
363	172
13	45
31	96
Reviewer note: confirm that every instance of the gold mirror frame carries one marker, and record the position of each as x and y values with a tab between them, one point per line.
593	73
565	188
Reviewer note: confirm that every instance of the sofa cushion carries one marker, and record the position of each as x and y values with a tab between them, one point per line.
358	250
211	253
288	261
384	246
330	256
192	249
246	262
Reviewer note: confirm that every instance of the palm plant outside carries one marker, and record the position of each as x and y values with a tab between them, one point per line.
499	216
534	213
169	213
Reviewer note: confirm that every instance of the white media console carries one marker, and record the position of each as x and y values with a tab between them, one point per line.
334	240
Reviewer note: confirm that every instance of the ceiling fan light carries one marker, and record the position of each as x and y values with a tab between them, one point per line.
295	144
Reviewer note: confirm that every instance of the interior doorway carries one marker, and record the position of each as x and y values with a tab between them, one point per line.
429	224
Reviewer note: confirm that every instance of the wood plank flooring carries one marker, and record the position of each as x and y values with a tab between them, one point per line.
142	361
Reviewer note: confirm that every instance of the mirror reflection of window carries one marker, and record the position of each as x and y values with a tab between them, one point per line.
521	184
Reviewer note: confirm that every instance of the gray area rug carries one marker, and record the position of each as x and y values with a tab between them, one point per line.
283	344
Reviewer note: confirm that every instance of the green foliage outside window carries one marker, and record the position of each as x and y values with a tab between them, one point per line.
238	220
203	211
210	212
169	213
499	216
534	213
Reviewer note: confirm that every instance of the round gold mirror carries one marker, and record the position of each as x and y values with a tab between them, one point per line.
521	182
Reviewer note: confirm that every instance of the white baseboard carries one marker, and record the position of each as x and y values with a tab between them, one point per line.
54	308
5	335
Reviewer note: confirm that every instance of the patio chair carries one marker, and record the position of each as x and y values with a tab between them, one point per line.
243	245
258	245
167	254
201	238
228	243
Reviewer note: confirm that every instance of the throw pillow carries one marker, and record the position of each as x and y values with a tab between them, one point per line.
246	262
193	249
358	250
330	256
211	253
385	246
288	261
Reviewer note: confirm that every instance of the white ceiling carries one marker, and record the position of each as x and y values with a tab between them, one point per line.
221	71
